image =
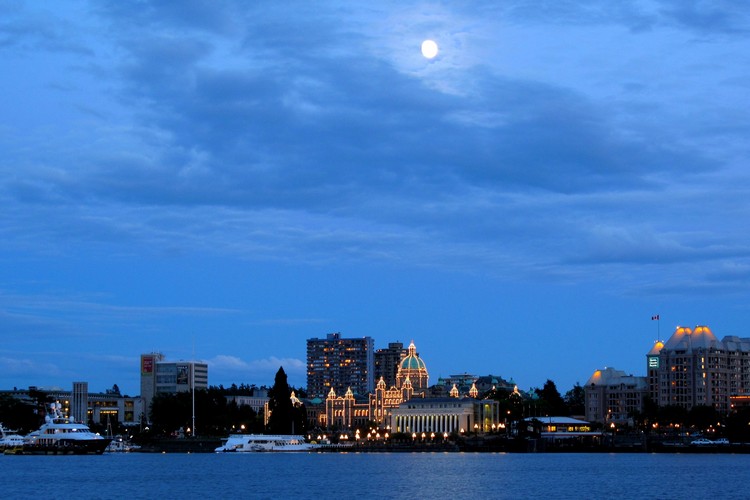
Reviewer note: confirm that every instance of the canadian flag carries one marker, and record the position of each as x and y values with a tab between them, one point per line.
655	317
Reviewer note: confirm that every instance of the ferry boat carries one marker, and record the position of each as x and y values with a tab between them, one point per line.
61	435
266	442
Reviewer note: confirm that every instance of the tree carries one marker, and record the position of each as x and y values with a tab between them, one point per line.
551	400
280	406
576	400
19	415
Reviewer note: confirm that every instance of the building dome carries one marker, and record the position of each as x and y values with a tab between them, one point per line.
412	368
685	339
412	361
658	346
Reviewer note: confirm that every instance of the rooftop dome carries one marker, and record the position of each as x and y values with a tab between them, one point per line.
412	361
685	339
658	345
412	367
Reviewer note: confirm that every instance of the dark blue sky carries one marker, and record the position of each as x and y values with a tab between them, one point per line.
223	180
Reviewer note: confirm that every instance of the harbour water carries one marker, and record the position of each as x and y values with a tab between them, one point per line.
377	475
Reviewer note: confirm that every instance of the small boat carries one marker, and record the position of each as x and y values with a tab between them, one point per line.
61	435
121	445
266	442
9	439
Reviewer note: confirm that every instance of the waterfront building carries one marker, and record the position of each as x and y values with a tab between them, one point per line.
445	415
388	362
385	399
556	430
339	363
611	396
346	412
694	368
106	409
169	377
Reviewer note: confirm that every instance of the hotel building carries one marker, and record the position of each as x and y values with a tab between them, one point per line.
694	368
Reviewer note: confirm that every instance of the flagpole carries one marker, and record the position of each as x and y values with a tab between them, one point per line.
657	317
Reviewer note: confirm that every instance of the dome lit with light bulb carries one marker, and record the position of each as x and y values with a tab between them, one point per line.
412	368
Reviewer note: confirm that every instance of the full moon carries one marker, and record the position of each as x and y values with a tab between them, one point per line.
429	49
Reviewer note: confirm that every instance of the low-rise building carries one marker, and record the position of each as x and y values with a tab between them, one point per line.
101	408
445	415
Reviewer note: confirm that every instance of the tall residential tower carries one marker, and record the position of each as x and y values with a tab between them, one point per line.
341	364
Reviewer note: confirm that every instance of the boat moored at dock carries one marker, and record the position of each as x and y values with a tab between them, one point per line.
266	442
61	435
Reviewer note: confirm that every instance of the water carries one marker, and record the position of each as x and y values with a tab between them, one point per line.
376	475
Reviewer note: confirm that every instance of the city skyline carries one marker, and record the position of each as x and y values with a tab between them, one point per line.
219	181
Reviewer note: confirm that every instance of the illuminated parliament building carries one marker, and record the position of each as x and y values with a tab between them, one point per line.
405	407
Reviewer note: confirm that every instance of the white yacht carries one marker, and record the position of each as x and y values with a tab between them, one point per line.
64	436
9	439
266	442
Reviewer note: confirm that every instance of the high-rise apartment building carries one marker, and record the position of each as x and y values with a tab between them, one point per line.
694	368
387	362
341	364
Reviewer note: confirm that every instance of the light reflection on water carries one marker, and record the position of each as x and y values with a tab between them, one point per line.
381	475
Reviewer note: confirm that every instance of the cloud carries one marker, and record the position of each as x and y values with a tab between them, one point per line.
237	141
13	367
228	367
